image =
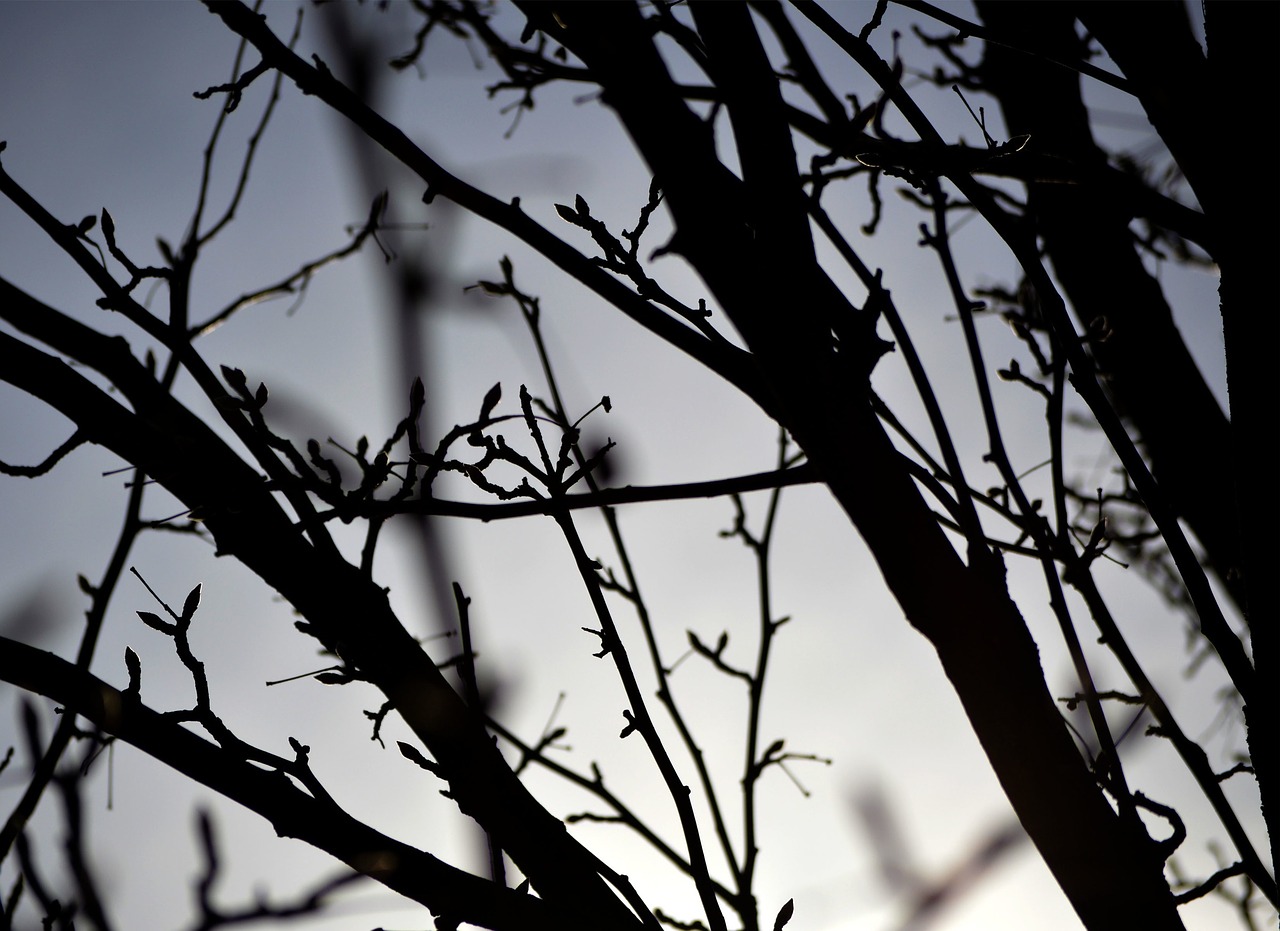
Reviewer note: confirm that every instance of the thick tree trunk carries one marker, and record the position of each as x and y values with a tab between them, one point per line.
1144	362
1218	475
752	246
1241	41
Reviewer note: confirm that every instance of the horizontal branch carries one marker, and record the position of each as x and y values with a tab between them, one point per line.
606	497
446	890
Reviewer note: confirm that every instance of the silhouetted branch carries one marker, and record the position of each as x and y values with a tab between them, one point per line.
801	474
195	237
316	80
100	597
737	159
967	28
444	889
296	282
71	443
595	785
211	916
1210	884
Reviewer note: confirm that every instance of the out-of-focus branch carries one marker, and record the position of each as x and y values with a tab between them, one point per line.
1083	376
100	596
820	386
444	889
345	609
721	357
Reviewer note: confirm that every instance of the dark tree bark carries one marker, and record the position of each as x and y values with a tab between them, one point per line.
1214	472
810	352
350	614
1144	361
751	244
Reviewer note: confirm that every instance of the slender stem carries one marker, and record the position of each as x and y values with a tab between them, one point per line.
1193	755
939	239
596	786
967	515
44	770
760	548
641	721
529	309
118	298
730	363
1083	375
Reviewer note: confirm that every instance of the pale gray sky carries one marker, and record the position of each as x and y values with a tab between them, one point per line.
96	106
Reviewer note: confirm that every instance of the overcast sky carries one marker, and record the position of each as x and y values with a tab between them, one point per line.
97	109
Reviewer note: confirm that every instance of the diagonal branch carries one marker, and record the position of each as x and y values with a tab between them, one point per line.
1083	377
786	313
344	608
721	357
446	890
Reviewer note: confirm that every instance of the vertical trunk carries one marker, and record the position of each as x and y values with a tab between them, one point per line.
1148	372
1241	41
1216	473
753	249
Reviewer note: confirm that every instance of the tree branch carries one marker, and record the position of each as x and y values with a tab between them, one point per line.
444	889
